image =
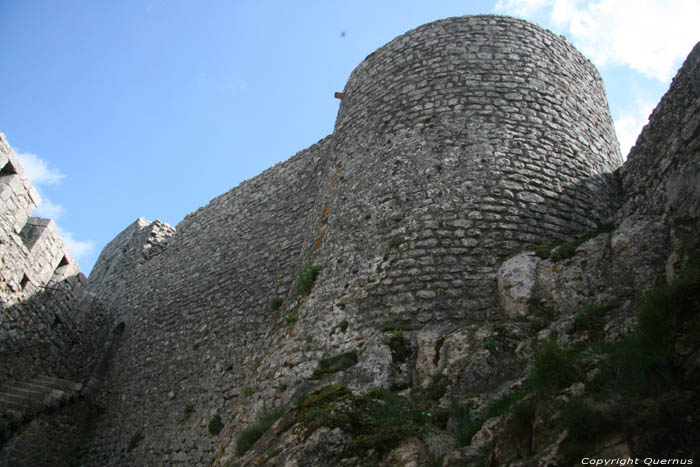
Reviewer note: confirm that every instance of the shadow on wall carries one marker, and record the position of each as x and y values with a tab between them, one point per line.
56	331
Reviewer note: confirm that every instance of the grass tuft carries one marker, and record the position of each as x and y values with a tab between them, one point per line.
335	363
247	438
215	425
305	280
555	368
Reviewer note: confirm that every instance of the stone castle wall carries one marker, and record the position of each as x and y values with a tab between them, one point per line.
195	310
456	144
660	176
50	324
664	159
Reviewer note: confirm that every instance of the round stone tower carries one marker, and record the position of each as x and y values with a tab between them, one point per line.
457	144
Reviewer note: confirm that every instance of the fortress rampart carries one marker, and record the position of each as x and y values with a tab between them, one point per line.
50	325
456	145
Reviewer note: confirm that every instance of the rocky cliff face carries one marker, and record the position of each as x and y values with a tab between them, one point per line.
373	300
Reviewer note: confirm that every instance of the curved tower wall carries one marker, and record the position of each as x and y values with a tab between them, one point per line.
467	139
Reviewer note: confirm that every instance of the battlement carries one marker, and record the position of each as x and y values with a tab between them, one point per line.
33	253
50	324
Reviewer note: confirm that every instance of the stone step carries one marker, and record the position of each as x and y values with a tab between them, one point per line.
30	387
31	394
6	404
58	383
19	401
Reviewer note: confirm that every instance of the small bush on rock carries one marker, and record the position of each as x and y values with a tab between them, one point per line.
305	279
215	425
555	368
247	438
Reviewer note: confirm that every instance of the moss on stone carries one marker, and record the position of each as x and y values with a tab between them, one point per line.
437	388
566	250
335	363
401	349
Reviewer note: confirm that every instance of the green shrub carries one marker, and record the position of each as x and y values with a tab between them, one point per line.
567	250
290	320
490	344
589	319
189	408
465	426
276	303
248	391
554	368
643	362
8	426
519	421
334	364
437	387
583	423
585	426
396	332
501	405
247	438
401	348
305	280
215	425
396	242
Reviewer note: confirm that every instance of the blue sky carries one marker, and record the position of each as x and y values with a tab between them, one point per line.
152	107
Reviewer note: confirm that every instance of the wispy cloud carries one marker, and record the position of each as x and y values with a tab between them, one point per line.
48	208
649	36
78	248
40	174
38	171
628	124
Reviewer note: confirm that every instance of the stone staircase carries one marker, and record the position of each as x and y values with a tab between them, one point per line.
41	392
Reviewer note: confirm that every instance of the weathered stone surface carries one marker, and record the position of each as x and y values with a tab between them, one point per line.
640	247
516	283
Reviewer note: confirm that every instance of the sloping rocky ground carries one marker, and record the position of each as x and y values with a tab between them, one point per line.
598	355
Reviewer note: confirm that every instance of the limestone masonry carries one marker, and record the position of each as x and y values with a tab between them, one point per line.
456	146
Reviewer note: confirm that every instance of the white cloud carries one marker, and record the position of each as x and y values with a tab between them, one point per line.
649	36
78	248
37	171
40	174
629	124
49	209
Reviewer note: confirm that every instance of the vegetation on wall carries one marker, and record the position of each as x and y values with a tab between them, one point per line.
305	279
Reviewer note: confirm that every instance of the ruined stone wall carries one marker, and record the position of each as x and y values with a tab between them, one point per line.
660	177
50	324
456	144
195	310
652	177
